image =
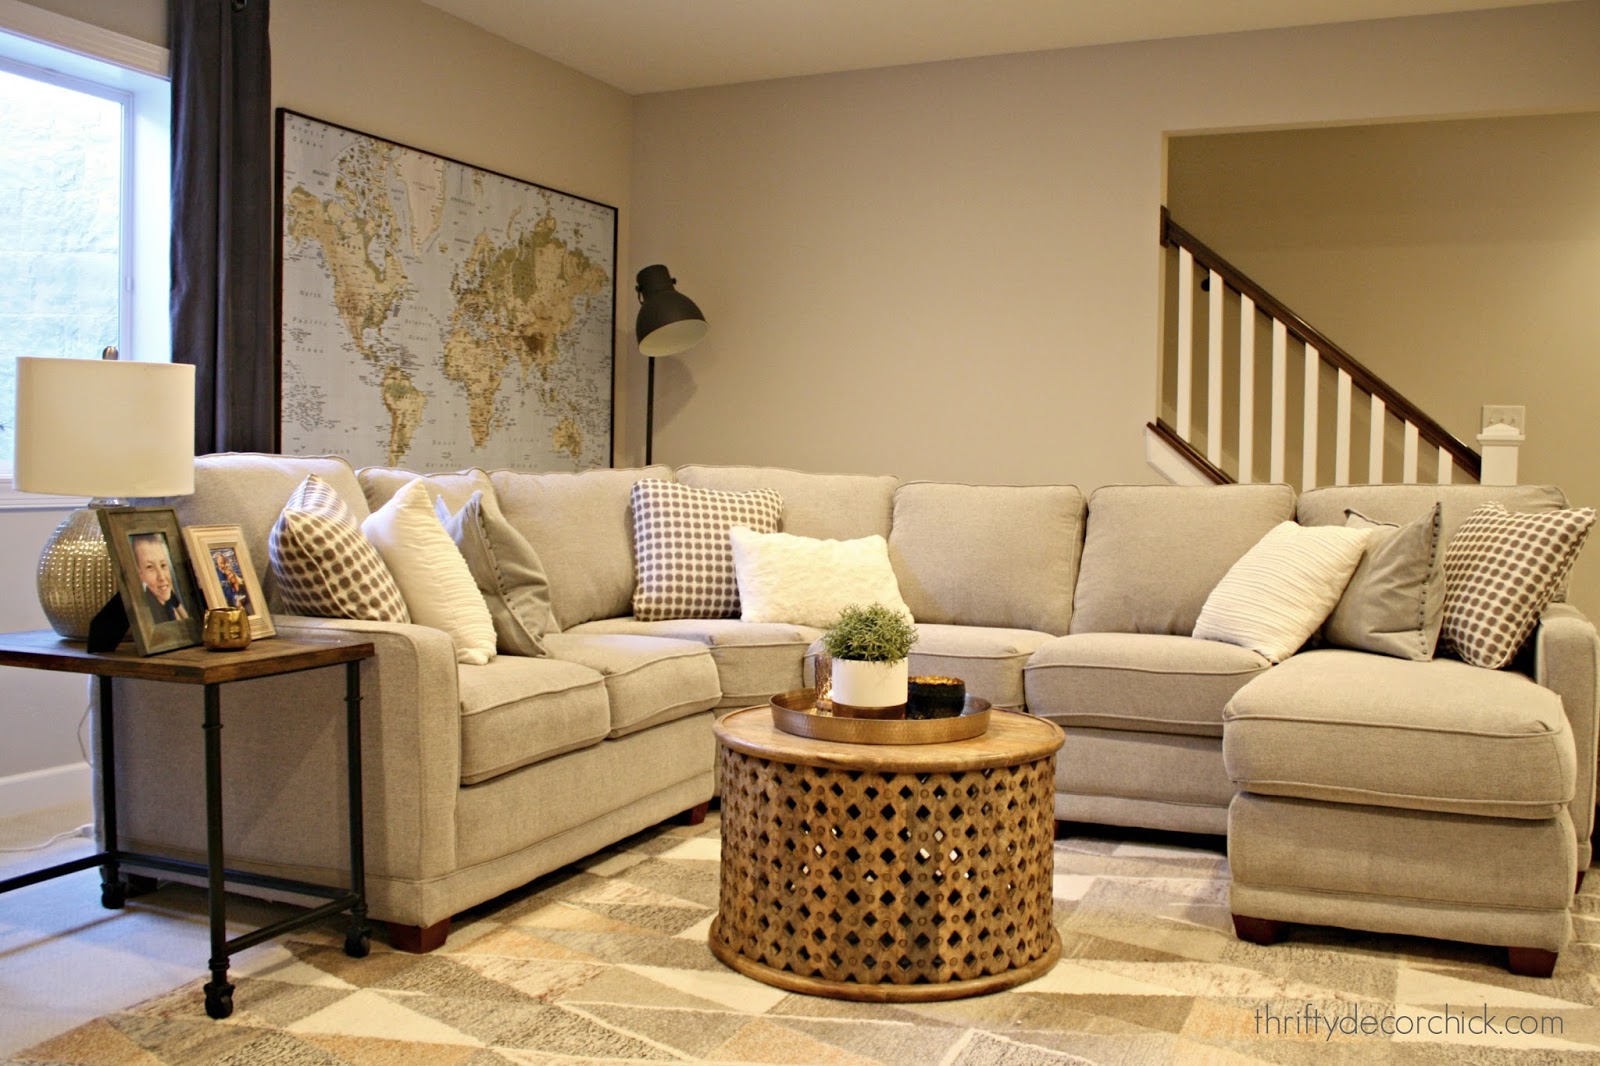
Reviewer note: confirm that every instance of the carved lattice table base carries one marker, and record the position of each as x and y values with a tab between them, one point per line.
887	872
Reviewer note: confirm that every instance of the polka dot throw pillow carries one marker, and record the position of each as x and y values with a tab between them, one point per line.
324	565
1501	571
682	555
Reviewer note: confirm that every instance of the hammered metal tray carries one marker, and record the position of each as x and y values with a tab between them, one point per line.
797	713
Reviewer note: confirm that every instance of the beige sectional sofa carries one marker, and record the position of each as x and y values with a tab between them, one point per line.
481	778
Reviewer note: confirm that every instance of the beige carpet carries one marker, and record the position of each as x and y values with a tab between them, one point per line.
607	962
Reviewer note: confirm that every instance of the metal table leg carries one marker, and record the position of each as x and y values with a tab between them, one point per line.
112	892
357	939
219	992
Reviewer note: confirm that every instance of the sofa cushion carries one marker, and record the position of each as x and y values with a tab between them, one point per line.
827	506
1146	682
988	555
248	490
1282	589
683	560
582	527
380	483
1394	603
649	680
755	660
1403	503
324	565
517	710
433	577
1500	572
1348	727
804	581
1153	553
508	572
988	659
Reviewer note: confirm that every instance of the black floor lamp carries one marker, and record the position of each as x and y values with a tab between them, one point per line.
668	323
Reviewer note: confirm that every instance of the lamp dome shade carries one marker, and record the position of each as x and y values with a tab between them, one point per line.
669	322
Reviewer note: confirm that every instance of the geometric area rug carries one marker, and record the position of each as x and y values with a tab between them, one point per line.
606	961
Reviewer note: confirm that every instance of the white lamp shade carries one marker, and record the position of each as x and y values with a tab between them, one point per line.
100	427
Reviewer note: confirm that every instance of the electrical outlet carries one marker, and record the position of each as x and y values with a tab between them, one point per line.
1515	416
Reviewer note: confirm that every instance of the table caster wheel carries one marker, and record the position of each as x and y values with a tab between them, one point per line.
219	999
357	945
113	894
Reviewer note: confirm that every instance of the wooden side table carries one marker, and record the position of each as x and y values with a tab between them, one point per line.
44	650
889	873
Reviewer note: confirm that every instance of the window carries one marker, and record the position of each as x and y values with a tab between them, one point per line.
85	186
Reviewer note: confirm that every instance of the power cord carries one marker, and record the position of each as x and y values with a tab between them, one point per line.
81	831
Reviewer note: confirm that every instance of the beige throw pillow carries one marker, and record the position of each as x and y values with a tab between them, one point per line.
324	565
807	582
433	577
1394	604
507	570
1501	571
1277	595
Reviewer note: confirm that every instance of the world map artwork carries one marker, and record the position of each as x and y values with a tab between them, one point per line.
436	316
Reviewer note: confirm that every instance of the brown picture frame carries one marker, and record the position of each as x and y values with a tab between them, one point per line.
149	536
226	575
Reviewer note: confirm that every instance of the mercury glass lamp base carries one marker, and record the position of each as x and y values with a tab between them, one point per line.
75	575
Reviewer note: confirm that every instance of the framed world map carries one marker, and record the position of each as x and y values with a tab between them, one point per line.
436	316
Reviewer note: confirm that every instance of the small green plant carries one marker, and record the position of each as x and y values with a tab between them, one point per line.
870	633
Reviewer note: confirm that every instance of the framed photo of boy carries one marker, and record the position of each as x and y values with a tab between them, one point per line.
159	596
226	576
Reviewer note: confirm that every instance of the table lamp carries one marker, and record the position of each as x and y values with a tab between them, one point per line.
668	323
107	429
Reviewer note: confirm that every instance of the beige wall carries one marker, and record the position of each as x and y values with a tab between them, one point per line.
1457	259
952	271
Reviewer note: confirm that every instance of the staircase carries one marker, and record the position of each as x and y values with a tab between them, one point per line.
1268	398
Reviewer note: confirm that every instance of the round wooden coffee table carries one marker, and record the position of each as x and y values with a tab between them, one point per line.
890	873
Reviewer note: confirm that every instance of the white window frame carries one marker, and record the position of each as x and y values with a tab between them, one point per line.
34	42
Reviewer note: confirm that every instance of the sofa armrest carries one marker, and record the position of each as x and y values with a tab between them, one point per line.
410	741
283	751
1567	661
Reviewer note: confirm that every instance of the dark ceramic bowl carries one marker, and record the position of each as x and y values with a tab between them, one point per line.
935	697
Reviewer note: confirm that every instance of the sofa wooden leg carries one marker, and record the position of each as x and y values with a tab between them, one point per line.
1063	829
1258	930
1530	962
694	815
418	939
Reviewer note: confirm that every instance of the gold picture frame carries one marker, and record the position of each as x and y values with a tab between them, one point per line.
159	596
226	575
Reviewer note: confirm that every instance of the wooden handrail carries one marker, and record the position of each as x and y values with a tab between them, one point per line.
1169	436
1465	456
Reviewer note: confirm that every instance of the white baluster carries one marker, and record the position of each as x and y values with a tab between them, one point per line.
1446	466
1408	465
1214	374
1308	417
1185	342
1341	440
1247	389
1375	442
1280	397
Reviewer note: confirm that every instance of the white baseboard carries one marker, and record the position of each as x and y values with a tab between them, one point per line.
38	790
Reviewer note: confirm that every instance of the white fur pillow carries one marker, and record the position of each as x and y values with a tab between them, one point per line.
1282	589
433	577
807	582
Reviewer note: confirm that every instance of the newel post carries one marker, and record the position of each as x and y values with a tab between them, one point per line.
1499	444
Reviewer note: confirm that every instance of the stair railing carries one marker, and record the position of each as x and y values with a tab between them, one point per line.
1236	312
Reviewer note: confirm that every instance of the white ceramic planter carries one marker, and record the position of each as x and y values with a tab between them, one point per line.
867	685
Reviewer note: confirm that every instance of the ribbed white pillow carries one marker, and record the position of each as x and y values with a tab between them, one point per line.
807	582
433	577
1283	588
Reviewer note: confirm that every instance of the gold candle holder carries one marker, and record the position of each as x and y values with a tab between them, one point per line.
226	629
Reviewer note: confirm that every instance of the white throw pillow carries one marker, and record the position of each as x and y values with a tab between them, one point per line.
1283	588
807	582
433	577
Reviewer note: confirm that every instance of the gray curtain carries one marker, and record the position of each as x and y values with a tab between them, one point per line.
223	250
